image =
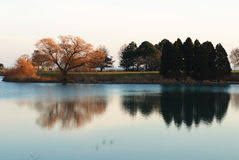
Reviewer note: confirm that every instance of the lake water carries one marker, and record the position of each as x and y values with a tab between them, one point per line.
118	122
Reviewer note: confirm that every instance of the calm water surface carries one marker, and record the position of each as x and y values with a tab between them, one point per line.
118	122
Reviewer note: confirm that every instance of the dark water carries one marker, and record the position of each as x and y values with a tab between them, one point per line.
111	122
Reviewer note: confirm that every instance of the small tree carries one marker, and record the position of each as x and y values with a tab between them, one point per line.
23	69
234	57
108	61
97	60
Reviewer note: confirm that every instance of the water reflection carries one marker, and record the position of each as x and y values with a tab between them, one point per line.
235	100
68	113
181	107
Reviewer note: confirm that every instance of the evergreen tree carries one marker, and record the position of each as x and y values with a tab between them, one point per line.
169	60
188	50
127	56
221	62
150	56
201	67
197	43
160	45
210	51
180	58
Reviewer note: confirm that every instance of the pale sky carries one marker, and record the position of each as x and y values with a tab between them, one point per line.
115	22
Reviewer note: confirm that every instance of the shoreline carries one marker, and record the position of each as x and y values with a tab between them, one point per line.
121	78
163	82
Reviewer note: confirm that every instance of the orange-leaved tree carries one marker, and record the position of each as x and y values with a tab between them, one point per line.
96	59
68	53
40	60
23	69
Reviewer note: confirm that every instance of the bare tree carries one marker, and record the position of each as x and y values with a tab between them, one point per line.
234	57
108	60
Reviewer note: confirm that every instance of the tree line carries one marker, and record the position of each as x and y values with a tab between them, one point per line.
194	59
201	61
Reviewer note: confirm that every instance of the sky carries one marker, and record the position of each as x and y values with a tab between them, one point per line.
114	23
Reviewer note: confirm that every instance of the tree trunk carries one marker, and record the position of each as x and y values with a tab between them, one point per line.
137	68
64	76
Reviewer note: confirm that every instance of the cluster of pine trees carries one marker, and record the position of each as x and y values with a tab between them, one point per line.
199	61
178	59
146	57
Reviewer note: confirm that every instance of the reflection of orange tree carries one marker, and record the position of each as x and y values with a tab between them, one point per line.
69	113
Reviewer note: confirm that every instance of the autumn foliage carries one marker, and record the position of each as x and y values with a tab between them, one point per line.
40	60
68	53
72	114
65	54
23	69
68	114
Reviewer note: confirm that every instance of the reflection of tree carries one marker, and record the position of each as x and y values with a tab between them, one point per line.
69	113
146	104
235	100
193	107
186	107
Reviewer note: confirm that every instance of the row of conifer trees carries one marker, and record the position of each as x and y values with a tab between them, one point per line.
200	61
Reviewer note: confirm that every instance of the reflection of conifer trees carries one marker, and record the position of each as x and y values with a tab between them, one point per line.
193	107
145	104
70	113
181	107
235	100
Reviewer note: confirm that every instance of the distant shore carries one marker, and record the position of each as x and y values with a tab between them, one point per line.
122	78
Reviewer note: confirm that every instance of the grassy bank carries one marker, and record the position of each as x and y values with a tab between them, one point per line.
107	77
122	78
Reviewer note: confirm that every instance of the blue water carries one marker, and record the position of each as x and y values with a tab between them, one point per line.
120	122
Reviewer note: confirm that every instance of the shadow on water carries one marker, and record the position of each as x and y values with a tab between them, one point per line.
68	113
188	106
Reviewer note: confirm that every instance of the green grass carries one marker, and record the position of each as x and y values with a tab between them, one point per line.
106	77
56	74
119	77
